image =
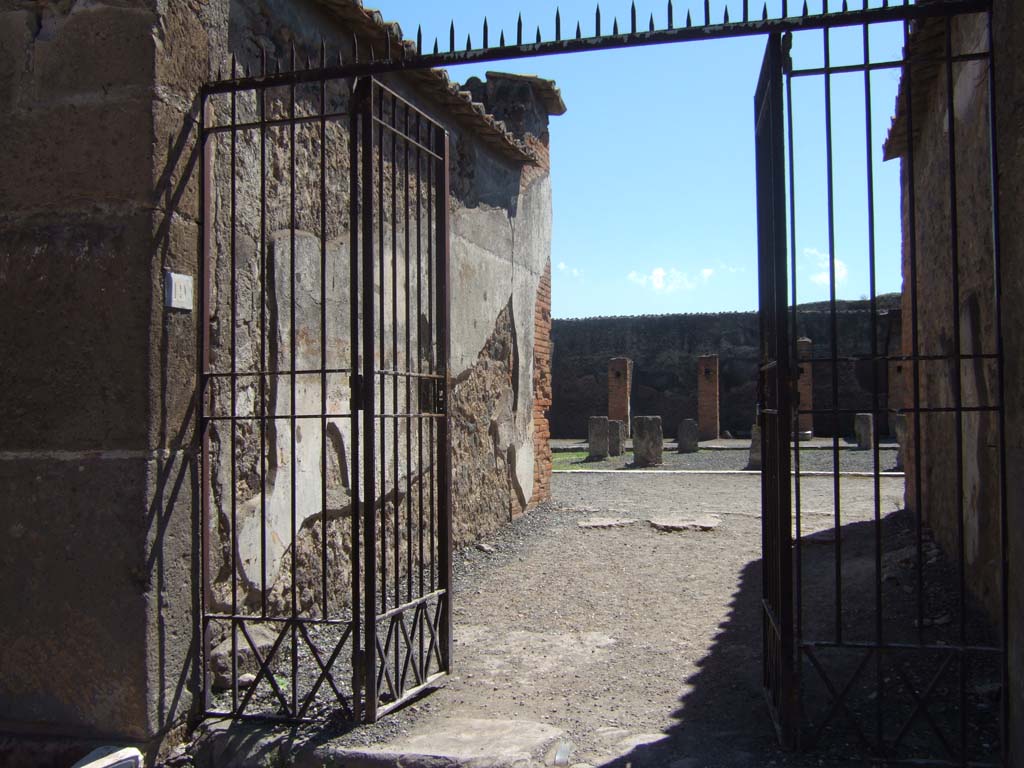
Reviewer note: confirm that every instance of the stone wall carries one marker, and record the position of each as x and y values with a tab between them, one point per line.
965	322
665	350
542	391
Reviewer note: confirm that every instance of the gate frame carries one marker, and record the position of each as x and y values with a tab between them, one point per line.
399	57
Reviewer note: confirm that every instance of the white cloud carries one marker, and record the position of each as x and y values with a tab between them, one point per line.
706	273
662	280
561	266
821	263
730	269
575	272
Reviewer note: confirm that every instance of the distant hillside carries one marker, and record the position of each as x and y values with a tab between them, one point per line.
885	302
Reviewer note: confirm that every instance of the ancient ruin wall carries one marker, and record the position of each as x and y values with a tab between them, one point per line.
665	350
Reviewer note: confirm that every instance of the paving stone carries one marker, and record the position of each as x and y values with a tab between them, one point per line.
478	742
606	522
680	523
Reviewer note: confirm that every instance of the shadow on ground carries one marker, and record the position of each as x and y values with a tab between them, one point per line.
859	706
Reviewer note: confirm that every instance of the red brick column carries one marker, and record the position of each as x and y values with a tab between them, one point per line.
707	397
620	385
542	391
805	384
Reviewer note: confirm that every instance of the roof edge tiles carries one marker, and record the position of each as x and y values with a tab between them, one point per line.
370	24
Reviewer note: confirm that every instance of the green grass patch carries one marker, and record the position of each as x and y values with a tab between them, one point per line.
576	460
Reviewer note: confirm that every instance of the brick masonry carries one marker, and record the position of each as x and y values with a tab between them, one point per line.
542	391
620	386
707	397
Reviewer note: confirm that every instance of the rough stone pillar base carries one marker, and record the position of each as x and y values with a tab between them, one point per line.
864	430
754	462
616	438
686	437
648	441
597	438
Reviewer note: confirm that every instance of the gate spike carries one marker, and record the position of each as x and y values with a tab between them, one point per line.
805	7
651	26
501	39
579	32
615	26
670	14
764	13
558	25
469	43
597	22
746	10
707	13
632	18
519	30
436	51
845	9
485	32
292	59
263	61
234	67
539	38
725	19
451	38
865	5
689	21
419	39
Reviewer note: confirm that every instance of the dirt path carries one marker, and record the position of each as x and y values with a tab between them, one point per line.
642	647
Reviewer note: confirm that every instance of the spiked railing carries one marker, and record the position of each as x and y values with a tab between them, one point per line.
389	52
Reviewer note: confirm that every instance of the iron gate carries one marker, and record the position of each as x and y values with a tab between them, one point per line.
326	565
902	662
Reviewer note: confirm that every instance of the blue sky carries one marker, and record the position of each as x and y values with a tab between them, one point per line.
653	165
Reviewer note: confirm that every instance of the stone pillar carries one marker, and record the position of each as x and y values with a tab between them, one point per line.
597	438
686	437
805	386
899	422
754	460
648	441
620	385
616	438
864	430
707	397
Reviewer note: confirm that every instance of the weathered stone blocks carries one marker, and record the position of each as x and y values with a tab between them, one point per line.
864	430
597	438
648	441
616	438
686	437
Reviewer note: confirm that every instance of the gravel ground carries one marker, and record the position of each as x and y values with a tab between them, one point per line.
644	647
811	460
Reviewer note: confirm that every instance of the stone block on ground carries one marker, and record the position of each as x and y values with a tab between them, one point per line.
900	427
597	437
754	462
263	637
864	430
648	441
673	523
616	438
111	757
686	437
